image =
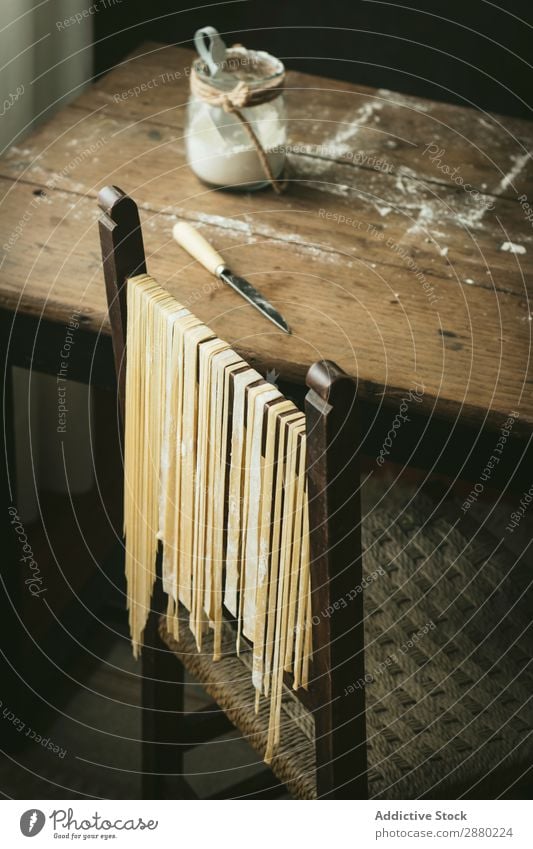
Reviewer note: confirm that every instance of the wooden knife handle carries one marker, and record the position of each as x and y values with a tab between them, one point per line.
194	243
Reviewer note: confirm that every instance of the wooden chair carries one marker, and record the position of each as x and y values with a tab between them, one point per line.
326	751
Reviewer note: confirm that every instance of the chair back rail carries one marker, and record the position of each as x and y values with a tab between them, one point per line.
336	581
122	257
334	517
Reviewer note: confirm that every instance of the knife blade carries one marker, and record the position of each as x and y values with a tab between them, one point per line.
194	243
254	298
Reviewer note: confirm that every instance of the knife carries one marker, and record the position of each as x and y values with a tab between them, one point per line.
194	243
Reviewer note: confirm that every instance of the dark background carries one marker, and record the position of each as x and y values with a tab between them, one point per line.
472	52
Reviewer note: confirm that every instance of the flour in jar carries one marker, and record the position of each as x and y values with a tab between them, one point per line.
220	151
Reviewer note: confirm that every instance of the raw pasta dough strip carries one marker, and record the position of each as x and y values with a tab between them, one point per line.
172	547
224	365
159	302
258	396
196	618
134	422
308	636
287	611
141	543
167	504
213	453
286	439
302	622
131	437
171	382
264	569
201	578
220	491
281	439
286	461
296	548
213	438
193	337
139	614
136	511
233	549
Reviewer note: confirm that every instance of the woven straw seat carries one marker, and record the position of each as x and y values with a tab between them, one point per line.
448	686
448	645
229	682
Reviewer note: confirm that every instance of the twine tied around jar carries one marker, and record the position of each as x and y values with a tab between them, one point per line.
238	98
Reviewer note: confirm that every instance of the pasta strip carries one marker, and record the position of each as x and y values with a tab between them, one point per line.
233	548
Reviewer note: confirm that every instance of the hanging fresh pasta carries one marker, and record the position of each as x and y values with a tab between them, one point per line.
215	471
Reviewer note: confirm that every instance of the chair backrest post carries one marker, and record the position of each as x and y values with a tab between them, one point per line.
336	582
123	256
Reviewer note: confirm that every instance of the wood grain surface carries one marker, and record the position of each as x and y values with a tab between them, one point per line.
381	255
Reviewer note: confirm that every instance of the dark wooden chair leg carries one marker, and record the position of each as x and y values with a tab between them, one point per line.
12	636
336	583
163	712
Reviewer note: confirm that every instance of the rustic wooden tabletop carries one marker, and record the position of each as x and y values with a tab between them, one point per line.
402	248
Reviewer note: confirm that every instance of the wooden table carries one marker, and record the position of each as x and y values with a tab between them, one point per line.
382	254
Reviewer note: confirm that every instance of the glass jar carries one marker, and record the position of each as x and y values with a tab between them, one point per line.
220	151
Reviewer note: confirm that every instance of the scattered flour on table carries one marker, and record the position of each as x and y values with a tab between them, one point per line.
512	248
398	99
350	129
507	179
